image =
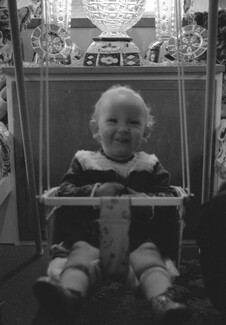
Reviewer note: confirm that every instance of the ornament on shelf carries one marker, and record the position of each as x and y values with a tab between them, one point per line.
113	47
58	13
165	25
191	44
51	41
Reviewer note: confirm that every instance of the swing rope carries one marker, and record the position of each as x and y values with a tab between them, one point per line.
44	68
209	100
41	108
24	122
182	105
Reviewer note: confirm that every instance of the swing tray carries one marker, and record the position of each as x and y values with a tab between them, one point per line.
49	198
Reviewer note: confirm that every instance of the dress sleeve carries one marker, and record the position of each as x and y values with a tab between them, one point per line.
74	182
161	182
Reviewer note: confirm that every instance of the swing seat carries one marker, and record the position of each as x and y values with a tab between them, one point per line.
114	223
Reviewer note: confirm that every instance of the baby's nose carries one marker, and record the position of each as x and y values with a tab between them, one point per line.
123	129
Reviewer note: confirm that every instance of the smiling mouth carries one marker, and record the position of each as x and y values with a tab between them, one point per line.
122	140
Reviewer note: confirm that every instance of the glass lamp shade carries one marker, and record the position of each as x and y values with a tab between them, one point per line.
114	17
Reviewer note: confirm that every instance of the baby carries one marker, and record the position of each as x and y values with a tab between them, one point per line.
120	123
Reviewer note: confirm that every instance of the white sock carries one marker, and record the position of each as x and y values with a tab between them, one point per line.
75	279
154	281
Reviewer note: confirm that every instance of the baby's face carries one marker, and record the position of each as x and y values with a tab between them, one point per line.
121	125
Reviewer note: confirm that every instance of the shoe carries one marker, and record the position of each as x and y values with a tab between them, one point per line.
168	312
64	305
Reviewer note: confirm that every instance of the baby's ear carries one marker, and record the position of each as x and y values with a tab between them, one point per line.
146	134
94	129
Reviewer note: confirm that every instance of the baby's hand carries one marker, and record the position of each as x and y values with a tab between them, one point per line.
131	192
110	189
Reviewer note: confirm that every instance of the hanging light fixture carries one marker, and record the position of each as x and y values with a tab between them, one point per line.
113	47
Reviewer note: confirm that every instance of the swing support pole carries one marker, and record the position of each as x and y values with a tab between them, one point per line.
24	121
209	99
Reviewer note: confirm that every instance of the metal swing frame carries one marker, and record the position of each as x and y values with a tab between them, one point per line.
48	198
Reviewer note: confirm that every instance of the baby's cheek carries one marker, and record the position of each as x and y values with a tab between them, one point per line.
138	140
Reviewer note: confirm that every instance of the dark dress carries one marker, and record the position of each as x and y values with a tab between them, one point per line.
143	173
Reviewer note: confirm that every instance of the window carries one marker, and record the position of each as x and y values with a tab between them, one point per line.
149	10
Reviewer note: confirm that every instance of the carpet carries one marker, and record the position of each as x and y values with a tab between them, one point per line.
115	305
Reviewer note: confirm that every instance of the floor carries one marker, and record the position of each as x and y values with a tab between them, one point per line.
19	268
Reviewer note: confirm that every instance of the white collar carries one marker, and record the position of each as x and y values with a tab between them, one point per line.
95	160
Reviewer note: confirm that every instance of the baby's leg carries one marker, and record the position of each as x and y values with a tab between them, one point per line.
81	269
59	254
56	267
155	282
150	269
63	297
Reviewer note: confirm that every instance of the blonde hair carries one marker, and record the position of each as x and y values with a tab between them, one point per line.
125	89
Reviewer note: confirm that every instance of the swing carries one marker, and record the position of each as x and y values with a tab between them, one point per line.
49	199
120	244
118	230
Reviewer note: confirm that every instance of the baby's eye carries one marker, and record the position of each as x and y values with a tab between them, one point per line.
134	122
112	120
